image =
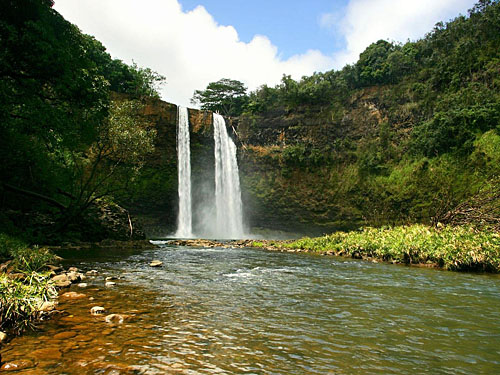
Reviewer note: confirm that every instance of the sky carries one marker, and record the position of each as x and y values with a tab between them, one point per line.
194	42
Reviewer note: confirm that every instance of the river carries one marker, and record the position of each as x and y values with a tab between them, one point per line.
248	311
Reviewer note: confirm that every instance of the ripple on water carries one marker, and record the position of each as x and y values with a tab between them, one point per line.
226	311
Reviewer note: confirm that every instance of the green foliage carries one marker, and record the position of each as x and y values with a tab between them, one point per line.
10	245
452	248
20	302
63	143
32	259
226	96
25	259
407	134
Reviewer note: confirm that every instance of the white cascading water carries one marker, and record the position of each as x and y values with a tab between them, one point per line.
229	217
185	217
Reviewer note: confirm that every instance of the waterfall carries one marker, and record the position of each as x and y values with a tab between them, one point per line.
184	219
229	218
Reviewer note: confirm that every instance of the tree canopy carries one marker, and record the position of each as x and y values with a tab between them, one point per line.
226	96
56	111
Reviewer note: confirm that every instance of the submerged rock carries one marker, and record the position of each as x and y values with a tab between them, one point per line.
65	335
17	365
73	295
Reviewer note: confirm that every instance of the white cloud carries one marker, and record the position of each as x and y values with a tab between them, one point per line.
191	49
366	21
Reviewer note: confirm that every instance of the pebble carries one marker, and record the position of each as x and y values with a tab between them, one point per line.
83	285
92	273
110	283
111	278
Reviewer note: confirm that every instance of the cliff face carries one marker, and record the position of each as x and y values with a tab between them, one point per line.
296	165
155	199
285	181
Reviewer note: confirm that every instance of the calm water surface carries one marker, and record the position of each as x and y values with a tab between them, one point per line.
245	311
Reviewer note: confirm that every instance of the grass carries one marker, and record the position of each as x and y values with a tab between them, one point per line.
21	298
452	248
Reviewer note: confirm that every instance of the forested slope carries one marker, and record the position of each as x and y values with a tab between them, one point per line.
410	133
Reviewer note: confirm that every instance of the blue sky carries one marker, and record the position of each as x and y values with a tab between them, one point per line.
194	42
293	25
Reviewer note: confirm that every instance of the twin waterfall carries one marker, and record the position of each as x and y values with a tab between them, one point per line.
225	220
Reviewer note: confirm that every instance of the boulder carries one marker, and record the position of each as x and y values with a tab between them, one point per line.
3	337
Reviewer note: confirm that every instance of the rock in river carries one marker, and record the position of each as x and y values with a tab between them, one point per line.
156	263
97	310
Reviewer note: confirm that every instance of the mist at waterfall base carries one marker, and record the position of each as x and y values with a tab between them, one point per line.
220	214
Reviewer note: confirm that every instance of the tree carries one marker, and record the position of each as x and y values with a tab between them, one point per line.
226	96
113	161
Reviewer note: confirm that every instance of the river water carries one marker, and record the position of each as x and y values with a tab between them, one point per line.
247	311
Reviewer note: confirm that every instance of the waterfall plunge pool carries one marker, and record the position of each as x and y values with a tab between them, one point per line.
247	311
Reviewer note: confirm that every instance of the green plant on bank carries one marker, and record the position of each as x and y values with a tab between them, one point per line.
22	299
257	244
20	302
453	248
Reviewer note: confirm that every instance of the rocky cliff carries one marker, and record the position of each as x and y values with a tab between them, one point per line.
285	179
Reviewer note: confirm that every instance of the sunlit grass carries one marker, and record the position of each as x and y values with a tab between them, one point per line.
452	248
22	297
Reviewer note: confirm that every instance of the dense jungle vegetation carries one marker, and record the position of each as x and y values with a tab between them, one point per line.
67	150
409	133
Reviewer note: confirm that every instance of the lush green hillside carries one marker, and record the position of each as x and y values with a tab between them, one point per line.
66	149
410	133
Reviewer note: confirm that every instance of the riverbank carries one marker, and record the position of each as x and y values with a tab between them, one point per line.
31	278
455	248
448	247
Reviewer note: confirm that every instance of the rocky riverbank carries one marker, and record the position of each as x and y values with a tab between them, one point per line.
455	248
